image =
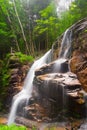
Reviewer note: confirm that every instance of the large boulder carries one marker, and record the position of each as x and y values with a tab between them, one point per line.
59	65
58	91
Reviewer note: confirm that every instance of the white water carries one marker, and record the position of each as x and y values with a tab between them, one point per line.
26	92
65	50
64	54
57	67
27	89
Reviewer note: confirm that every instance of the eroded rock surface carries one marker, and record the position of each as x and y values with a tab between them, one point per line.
78	62
59	91
17	72
79	66
59	65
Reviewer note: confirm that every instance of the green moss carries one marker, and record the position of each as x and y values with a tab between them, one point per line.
5	75
12	127
20	57
23	58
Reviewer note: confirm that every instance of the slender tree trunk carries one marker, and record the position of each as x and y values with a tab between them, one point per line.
47	41
31	42
27	49
7	17
13	33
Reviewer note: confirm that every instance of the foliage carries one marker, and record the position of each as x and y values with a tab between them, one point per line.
46	25
39	21
5	71
10	31
20	57
12	127
4	75
77	11
24	58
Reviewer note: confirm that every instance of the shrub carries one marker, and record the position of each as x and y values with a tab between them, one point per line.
24	58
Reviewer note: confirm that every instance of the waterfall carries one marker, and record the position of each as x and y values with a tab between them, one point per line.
26	92
27	89
64	54
65	50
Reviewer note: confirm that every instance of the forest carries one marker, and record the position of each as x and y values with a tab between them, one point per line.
28	29
28	26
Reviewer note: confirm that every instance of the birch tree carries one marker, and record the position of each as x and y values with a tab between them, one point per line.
21	27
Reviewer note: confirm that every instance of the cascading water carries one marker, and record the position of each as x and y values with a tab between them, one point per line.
65	49
64	54
27	89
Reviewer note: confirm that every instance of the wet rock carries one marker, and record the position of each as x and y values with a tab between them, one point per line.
78	65
79	39
49	83
78	57
83	126
57	91
35	112
3	120
17	72
60	65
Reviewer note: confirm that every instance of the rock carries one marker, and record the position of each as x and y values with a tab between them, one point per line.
78	65
83	126
3	120
78	57
17	73
35	112
60	65
56	91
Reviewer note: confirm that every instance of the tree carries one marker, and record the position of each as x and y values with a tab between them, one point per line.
22	30
46	25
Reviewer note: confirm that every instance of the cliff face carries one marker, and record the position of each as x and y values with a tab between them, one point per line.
78	60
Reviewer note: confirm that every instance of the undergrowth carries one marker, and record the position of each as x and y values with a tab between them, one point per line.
12	127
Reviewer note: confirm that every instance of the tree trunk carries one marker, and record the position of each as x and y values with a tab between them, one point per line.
13	33
24	38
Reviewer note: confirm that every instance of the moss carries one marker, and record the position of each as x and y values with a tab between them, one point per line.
20	57
5	67
12	127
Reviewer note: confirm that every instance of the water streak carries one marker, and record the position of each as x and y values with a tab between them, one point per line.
65	50
27	89
26	92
